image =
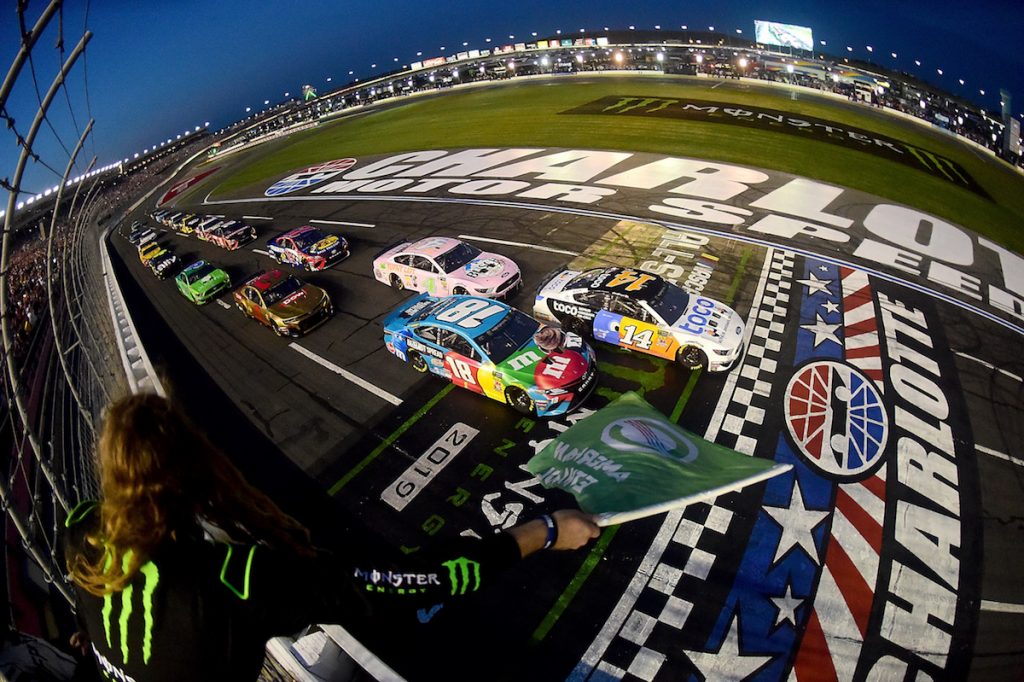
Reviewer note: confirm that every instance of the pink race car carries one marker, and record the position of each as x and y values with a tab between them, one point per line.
442	266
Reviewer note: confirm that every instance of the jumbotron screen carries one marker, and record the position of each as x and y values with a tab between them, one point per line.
771	33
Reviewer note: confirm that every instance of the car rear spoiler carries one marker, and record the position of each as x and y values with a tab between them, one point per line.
252	277
389	248
547	278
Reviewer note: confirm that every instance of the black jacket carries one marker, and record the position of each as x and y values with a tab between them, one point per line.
201	610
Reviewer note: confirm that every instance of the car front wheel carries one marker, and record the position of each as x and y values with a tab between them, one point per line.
577	326
418	362
519	399
396	283
692	357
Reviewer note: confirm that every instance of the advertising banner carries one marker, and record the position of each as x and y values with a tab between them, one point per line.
627	461
786	35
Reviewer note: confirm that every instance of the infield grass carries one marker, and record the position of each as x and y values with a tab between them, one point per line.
527	113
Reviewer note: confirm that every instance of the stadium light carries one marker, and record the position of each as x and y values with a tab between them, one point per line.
248	109
534	33
700	59
350	73
396	59
682	27
940	71
558	31
849	49
487	40
743	62
482	70
922	104
660	57
917	62
328	79
134	157
618	57
893	55
835	78
961	81
464	43
431	78
419	54
266	102
823	42
789	68
286	94
739	30
870	49
632	28
511	37
207	124
544	61
711	28
455	73
981	92
960	120
579	58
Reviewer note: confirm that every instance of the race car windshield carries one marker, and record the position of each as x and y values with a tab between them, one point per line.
457	257
284	288
200	272
584	279
308	239
671	303
508	336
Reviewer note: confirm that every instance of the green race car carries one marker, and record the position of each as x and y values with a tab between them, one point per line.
201	282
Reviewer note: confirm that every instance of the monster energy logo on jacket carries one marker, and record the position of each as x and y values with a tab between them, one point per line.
459	573
127	609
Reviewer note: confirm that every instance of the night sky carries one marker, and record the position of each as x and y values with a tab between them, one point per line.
157	69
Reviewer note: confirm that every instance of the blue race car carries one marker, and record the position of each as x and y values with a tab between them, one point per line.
490	348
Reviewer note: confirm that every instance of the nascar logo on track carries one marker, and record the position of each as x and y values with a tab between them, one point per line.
836	418
309	177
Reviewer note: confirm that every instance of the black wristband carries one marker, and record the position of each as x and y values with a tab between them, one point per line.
552	527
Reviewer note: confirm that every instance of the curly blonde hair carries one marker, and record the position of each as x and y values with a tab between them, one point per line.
159	476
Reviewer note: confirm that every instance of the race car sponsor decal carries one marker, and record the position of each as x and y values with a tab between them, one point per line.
693	195
183	185
323	245
483	267
309	177
561	308
783	122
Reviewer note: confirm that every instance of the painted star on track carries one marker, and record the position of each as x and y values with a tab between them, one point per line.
822	331
815	285
787	605
727	663
798	524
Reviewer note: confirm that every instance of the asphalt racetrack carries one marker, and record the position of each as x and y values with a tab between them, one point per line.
902	568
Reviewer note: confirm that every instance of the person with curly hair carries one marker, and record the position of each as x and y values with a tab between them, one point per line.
183	570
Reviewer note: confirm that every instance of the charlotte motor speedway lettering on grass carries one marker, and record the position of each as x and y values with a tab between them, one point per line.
702	196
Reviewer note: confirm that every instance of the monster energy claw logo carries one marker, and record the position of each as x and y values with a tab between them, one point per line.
459	572
152	578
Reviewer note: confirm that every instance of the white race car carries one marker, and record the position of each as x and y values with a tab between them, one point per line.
643	312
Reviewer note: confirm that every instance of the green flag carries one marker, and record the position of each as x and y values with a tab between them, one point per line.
627	461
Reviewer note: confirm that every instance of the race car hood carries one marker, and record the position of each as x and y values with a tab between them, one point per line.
328	244
559	368
486	271
213	279
302	302
709	318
